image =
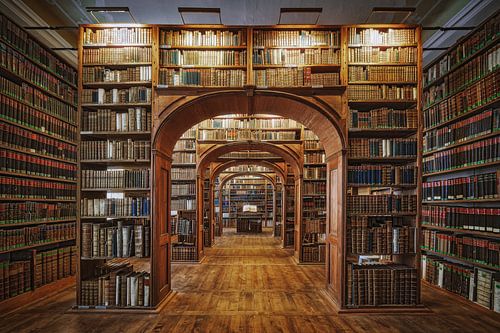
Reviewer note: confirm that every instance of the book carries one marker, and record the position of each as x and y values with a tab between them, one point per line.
28	236
128	206
129	178
29	212
105	120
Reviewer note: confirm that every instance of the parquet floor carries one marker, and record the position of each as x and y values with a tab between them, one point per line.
249	284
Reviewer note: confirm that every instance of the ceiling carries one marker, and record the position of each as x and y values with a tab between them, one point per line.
428	13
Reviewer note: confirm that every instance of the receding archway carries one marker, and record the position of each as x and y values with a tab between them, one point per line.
176	114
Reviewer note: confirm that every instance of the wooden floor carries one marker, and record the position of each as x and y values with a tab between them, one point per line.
248	284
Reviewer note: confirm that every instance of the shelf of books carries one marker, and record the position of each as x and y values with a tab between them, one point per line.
202	57
313	238
184	231
290	57
383	169
38	172
115	156
289	220
461	191
278	208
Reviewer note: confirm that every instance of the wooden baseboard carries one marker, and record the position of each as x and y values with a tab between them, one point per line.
15	303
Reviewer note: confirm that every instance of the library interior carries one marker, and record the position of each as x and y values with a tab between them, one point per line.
249	166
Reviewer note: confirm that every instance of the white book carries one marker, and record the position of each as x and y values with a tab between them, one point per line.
118	121
119	239
115	95
424	267
100	96
472	286
496	296
138	114
126	240
124	125
134	290
146	290
440	275
117	290
128	289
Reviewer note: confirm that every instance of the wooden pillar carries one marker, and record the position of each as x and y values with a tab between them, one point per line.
211	212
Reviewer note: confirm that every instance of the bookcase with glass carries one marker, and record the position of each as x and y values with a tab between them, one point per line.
202	57
461	193
383	167
183	199
296	57
38	172
313	201
115	156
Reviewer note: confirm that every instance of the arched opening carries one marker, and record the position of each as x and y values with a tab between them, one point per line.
177	114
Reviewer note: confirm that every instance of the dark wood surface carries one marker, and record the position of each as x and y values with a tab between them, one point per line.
248	283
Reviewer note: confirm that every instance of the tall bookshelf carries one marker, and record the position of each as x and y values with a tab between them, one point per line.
383	167
183	200
288	230
313	238
461	195
38	172
115	81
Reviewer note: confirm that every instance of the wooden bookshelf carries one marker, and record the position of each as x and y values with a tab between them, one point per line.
38	153
383	72
466	66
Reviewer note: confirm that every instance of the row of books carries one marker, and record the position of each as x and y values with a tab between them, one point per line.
123	55
117	240
472	97
114	35
23	114
477	125
372	36
462	50
383	73
20	139
249	123
464	218
182	204
21	237
41	101
470	248
182	226
104	120
312	144
382	175
183	157
115	150
381	204
29	212
463	76
116	96
315	173
314	253
128	178
183	189
209	77
294	77
364	147
36	166
314	226
103	74
381	92
296	57
314	157
173	38
22	188
183	174
114	207
120	286
203	58
481	186
246	134
381	284
309	135
477	153
295	38
184	253
50	265
55	264
381	238
315	188
383	118
16	37
185	145
378	55
21	66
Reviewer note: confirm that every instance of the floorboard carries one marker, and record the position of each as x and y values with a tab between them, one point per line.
247	283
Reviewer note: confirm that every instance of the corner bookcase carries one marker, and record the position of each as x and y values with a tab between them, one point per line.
371	73
461	178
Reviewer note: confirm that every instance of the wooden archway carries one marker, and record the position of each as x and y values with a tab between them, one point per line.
175	114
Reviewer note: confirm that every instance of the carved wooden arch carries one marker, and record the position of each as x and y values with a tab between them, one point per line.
291	156
226	165
176	114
